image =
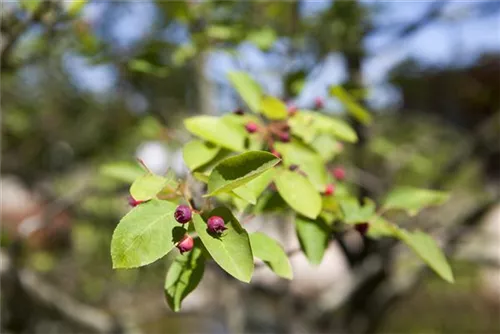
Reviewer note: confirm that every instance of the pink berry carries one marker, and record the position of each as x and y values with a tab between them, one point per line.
292	109
339	173
216	225
329	189
186	244
251	127
183	214
362	228
318	103
285	137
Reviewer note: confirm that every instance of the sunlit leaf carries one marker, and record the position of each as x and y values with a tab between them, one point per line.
232	249
145	234
273	255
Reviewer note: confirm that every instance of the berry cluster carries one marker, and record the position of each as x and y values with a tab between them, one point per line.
183	214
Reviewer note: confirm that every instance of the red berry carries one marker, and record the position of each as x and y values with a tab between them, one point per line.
216	224
251	127
132	202
186	244
292	109
339	173
284	137
276	154
318	103
329	189
362	228
183	214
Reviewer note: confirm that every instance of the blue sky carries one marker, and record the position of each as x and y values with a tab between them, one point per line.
455	40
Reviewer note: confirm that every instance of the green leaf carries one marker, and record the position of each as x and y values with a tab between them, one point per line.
325	146
313	236
299	193
147	186
273	108
263	38
254	188
380	227
238	170
183	276
353	107
248	89
307	124
75	6
273	255
216	131
232	249
145	234
354	213
244	193
335	127
126	172
309	162
196	153
413	200
140	65
30	5
302	125
427	249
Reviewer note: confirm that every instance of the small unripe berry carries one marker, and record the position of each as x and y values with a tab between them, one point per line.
339	173
186	244
133	202
362	228
292	109
251	127
318	103
216	224
183	214
329	189
293	167
284	137
239	112
276	154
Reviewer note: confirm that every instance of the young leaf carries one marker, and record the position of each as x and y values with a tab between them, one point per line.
353	107
232	249
413	200
145	234
183	276
354	213
313	236
273	108
147	186
273	255
309	162
299	193
215	130
248	89
238	170
427	249
126	172
196	153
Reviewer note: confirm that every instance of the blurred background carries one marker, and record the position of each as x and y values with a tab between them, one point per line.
88	87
